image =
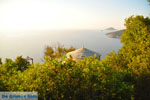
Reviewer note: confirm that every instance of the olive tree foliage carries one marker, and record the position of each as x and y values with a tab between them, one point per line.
57	51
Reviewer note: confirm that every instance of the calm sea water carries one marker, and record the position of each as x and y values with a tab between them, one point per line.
33	43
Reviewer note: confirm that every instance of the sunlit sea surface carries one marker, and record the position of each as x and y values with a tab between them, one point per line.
33	43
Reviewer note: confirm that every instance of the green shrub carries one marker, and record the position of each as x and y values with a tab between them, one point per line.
87	79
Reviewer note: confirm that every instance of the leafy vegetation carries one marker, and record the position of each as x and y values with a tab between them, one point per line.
87	79
134	56
57	51
120	76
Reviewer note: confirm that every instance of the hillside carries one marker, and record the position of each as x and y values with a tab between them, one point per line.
116	34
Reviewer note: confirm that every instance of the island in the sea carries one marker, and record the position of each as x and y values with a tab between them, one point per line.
116	34
110	28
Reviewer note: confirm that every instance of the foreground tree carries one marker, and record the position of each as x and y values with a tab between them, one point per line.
136	40
22	63
134	56
136	53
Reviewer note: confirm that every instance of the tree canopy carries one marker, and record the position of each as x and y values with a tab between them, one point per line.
57	51
134	56
136	40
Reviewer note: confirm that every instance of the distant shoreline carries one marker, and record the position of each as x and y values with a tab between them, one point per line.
116	34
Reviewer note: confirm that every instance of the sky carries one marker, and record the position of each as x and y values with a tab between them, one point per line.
17	15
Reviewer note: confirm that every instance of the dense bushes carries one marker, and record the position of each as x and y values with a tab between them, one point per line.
87	79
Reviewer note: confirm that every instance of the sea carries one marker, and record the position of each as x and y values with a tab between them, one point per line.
33	43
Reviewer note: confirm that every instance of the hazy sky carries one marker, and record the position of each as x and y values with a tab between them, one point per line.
68	14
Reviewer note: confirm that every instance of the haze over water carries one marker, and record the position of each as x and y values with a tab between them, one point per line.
33	45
